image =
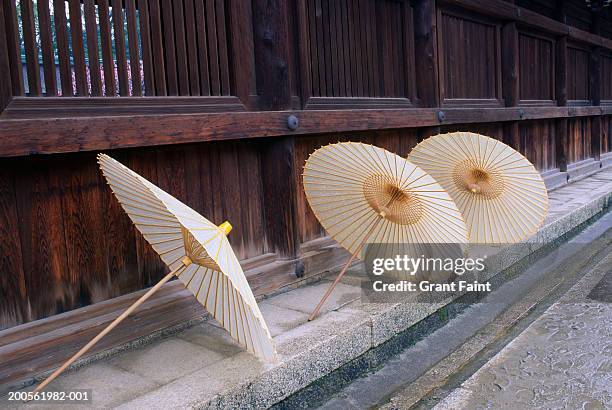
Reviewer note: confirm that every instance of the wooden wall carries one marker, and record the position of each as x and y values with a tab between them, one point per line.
204	114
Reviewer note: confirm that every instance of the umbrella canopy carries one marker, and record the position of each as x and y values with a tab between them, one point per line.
197	250
501	194
349	186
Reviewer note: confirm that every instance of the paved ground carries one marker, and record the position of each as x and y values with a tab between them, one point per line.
203	367
563	360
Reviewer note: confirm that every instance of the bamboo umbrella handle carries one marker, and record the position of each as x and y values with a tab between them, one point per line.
344	269
108	328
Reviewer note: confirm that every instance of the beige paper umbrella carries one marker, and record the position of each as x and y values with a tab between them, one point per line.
361	193
196	251
501	194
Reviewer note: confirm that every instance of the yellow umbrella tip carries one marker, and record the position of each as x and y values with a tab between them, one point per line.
226	227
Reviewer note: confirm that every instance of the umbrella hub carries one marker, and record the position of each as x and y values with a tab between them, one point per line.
393	202
478	180
195	252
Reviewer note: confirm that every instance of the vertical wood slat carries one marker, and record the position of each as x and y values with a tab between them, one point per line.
133	47
200	18
6	90
304	39
46	44
13	49
326	49
63	53
356	35
349	66
78	51
31	48
192	48
213	52
408	51
92	48
122	73
157	51
333	52
181	49
337	37
147	56
107	48
321	50
169	47
224	73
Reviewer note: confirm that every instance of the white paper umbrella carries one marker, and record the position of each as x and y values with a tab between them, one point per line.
360	193
501	194
212	272
197	252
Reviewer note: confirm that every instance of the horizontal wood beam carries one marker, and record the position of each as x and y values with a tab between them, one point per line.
21	137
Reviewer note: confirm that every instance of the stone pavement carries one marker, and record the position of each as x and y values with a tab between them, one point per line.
563	360
202	367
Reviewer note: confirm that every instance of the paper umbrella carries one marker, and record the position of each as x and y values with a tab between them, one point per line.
501	195
196	251
361	193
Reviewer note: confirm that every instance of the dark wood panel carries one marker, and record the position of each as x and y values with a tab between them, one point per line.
356	48
13	290
606	134
579	139
84	226
536	78
51	285
606	77
537	143
467	72
577	74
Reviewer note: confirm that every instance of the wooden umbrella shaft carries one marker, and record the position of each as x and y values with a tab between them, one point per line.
108	328
344	269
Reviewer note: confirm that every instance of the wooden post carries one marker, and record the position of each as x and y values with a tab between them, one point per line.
595	90
510	79
278	171
510	64
5	84
561	140
426	57
272	54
